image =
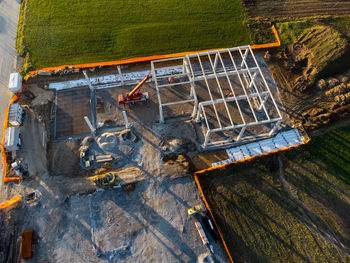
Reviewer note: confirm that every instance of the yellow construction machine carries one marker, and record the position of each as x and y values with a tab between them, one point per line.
104	179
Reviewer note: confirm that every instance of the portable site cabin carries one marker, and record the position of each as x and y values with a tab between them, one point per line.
12	139
15	114
15	83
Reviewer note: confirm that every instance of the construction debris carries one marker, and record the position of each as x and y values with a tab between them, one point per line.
107	147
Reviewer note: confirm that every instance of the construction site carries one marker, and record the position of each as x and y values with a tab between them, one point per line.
106	155
172	131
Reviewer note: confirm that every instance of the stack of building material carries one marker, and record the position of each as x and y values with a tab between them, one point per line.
281	141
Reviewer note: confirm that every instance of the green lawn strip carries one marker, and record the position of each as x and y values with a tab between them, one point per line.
60	32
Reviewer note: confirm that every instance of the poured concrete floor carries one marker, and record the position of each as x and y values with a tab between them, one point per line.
71	107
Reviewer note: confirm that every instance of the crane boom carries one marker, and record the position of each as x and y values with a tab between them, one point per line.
135	90
134	95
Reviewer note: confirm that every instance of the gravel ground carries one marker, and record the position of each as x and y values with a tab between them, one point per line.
76	223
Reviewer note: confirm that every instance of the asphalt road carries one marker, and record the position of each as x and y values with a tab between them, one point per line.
9	11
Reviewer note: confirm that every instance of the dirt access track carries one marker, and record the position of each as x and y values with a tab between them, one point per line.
291	8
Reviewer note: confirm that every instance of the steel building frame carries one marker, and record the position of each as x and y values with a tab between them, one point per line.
159	85
256	94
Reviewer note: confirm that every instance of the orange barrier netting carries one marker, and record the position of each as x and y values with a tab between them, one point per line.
10	202
7	179
274	44
211	213
149	58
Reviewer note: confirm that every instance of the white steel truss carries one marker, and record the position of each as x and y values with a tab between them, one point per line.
215	67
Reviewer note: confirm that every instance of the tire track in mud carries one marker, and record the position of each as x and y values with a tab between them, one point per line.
325	233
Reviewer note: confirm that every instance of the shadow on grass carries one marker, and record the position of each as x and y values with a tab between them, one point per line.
247	223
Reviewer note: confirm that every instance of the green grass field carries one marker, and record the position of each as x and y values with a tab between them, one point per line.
56	32
262	222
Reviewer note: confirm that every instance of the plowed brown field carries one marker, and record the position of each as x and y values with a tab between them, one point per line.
296	8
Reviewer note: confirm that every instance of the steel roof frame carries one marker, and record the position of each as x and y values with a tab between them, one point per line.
247	79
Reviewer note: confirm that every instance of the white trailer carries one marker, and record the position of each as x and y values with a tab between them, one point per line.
12	139
15	83
15	114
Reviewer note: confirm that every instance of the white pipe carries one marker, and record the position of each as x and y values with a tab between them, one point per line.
89	124
120	75
126	120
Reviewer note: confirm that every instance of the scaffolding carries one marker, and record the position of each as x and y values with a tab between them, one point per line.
234	96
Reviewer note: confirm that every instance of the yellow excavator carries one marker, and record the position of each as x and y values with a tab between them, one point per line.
104	179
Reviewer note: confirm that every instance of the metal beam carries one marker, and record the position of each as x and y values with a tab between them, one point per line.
241	133
224	50
223	74
243	125
120	74
227	99
206	140
174	84
232	90
275	128
161	117
177	102
245	55
264	80
205	117
220	89
92	129
252	80
92	100
242	85
211	96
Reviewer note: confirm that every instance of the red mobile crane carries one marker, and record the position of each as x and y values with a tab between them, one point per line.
134	95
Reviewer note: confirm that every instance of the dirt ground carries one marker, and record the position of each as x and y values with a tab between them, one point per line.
315	105
290	8
149	224
75	221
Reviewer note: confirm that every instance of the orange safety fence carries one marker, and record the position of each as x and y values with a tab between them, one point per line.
7	179
267	45
149	58
212	216
10	202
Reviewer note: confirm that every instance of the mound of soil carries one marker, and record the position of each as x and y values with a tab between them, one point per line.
310	96
316	50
